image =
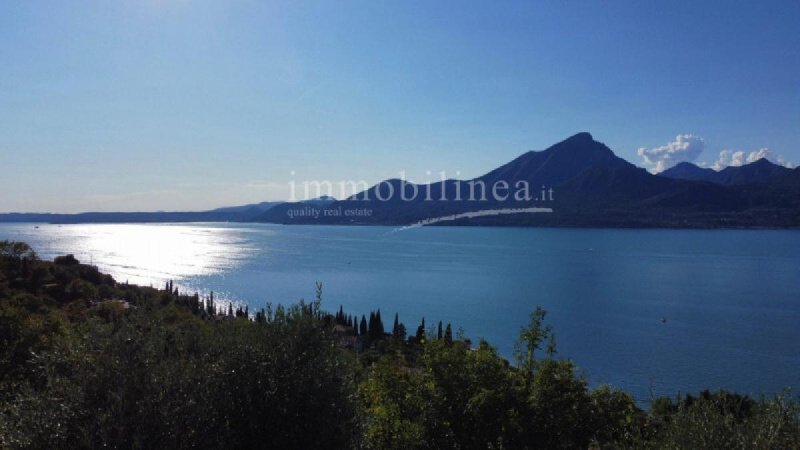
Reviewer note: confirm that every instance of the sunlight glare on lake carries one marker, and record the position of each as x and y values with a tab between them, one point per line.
151	254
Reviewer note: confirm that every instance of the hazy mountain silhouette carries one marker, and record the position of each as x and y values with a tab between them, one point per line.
253	208
760	170
128	217
692	172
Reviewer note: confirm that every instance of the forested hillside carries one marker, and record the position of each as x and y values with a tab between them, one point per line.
86	362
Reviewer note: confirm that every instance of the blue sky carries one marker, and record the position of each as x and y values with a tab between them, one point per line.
180	104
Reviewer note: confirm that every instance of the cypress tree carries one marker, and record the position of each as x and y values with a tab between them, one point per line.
363	331
439	336
372	327
379	324
421	332
210	308
448	335
399	330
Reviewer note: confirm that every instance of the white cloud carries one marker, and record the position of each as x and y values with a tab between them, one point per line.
739	158
785	163
688	147
685	147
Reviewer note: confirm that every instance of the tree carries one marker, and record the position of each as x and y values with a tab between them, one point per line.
363	330
371	332
421	332
531	339
379	323
340	316
210	308
448	335
375	326
439	335
398	330
17	250
394	402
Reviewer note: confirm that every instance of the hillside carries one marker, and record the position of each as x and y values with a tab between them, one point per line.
87	362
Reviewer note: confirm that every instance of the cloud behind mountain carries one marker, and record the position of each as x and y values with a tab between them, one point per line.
685	148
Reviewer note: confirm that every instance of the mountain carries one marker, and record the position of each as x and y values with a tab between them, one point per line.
790	180
760	170
558	163
225	214
548	168
590	186
243	213
126	217
579	179
252	207
319	201
689	171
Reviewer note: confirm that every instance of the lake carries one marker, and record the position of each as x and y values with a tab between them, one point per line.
658	311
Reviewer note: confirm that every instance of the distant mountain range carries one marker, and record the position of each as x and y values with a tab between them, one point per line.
580	179
242	213
758	171
591	187
127	217
251	209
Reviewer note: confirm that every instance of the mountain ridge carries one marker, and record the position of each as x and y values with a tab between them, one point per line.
588	185
756	171
593	187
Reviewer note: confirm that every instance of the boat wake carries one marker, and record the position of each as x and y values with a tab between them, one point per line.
473	214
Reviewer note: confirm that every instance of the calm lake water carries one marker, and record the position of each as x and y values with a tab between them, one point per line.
730	299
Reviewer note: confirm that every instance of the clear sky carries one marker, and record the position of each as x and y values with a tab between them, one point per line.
186	105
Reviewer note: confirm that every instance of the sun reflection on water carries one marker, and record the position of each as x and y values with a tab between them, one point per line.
151	254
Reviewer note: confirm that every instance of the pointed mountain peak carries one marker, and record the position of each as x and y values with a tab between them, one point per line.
686	170
582	145
583	136
763	162
559	162
759	164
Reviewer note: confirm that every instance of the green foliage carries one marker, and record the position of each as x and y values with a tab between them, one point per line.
393	401
10	250
86	362
723	420
531	339
615	417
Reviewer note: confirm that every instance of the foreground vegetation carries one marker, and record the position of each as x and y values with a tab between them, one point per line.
87	362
